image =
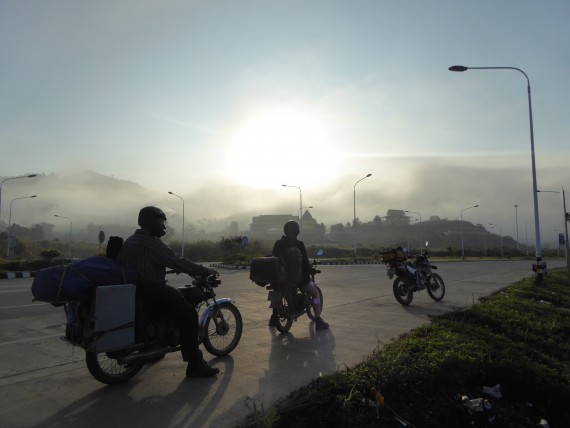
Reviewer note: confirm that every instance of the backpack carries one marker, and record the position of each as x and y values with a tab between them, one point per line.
293	261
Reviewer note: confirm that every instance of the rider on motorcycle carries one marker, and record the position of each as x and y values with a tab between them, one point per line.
293	252
149	257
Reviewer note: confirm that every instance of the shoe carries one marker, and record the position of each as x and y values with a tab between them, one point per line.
273	321
321	324
201	369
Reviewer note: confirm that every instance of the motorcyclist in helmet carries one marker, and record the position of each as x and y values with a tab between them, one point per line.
282	248
145	252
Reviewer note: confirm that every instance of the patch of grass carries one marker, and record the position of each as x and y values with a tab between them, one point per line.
517	337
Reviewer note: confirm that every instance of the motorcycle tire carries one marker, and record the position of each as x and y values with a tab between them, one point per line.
108	370
402	291
310	309
436	287
283	316
224	330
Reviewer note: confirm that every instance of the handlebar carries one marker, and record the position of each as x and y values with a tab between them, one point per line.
201	278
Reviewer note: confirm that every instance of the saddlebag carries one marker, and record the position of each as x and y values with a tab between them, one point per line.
266	270
74	281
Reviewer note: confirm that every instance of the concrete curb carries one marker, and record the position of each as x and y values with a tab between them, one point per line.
14	275
226	266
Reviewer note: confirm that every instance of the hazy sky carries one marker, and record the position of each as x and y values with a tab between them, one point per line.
222	102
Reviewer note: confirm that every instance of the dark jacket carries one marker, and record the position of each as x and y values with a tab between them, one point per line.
280	248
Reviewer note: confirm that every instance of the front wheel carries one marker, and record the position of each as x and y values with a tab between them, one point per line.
436	287
402	291
224	330
283	316
109	370
310	309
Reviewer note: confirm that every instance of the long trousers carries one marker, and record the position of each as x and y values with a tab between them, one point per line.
170	302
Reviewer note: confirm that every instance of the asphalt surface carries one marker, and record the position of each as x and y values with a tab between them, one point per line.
44	382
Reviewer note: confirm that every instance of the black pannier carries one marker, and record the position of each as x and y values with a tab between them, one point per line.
266	270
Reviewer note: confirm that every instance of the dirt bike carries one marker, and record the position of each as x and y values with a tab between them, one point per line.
97	328
412	276
289	302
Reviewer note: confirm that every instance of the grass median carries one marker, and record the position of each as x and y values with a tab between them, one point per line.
504	362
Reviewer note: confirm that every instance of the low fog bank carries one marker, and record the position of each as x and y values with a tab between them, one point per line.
93	201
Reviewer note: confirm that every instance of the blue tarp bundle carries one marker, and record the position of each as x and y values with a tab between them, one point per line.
74	281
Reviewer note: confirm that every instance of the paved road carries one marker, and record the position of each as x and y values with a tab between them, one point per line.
44	382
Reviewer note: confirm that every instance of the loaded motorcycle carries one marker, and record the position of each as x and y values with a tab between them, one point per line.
287	301
412	276
115	350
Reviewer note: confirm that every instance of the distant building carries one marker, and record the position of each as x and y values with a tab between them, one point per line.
270	227
397	218
312	231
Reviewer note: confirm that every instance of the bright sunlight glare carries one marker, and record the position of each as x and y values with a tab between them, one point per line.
281	145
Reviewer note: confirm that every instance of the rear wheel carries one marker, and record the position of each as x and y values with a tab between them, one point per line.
310	309
224	330
436	287
403	291
109	370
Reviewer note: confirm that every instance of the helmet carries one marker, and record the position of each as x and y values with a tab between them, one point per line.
291	228
153	219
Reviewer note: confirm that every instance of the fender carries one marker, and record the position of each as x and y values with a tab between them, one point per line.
207	314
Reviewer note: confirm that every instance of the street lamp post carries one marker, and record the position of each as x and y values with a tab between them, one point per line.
12	178
182	244
9	246
517	224
69	239
539	266
420	227
300	205
565	219
461	216
501	235
354	213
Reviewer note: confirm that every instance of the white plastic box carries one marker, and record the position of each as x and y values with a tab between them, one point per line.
113	317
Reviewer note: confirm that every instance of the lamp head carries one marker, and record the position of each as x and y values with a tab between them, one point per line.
459	68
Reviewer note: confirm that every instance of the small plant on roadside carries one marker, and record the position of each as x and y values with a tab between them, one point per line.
50	254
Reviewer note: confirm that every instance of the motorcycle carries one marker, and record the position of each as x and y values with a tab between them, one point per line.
412	276
97	328
289	302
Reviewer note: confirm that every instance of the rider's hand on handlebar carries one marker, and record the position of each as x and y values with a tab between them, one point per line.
210	271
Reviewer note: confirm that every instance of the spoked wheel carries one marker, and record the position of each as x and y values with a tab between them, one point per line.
224	330
436	287
310	309
283	316
109	370
403	292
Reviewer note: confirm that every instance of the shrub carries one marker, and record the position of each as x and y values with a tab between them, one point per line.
49	254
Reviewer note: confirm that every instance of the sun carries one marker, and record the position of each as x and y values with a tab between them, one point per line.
280	145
